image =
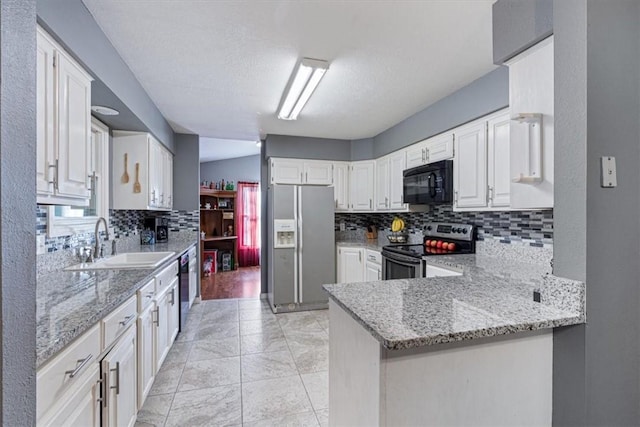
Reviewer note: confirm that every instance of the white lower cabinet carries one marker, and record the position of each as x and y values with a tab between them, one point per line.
120	378
146	352
163	305
68	388
174	312
193	279
373	266
350	265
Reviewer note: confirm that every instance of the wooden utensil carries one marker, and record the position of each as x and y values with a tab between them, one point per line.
125	175
136	185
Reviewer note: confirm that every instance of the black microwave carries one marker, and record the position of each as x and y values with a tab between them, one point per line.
430	184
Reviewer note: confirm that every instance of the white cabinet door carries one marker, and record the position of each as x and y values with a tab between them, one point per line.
416	154
382	184
361	180
174	312
318	172
45	115
163	310
350	265
167	184
146	353
470	166
397	165
341	186
74	128
372	272
119	365
287	171
499	176
439	147
82	408
154	167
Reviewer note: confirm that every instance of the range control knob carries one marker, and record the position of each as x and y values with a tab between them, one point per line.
455	230
464	230
429	228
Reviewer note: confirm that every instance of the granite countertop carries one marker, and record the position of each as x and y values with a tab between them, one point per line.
493	296
373	244
69	303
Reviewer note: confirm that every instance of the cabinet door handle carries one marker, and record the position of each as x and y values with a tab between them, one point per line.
157	321
455	193
359	256
370	204
302	177
126	319
491	195
173	296
78	368
378	274
117	371
427	154
55	175
306	177
423	159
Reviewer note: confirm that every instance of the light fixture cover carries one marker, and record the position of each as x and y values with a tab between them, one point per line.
105	111
304	81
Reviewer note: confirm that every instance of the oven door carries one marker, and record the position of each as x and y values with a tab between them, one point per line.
396	266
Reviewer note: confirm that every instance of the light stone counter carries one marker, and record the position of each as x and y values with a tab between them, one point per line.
69	303
494	296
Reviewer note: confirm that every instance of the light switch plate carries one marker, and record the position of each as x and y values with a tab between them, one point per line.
343	227
608	174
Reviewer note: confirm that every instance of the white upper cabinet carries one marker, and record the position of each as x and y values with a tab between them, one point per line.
147	163
470	166
434	149
318	172
382	184
499	177
301	172
532	134
341	185
286	171
64	126
389	182
361	182
397	165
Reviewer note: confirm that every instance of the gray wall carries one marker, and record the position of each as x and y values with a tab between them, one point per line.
75	28
482	96
362	149
238	169
596	367
17	201
519	24
186	177
307	148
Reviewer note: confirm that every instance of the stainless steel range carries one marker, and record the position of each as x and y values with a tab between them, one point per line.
440	238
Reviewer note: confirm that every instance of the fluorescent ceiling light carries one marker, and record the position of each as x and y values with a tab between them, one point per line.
105	111
304	82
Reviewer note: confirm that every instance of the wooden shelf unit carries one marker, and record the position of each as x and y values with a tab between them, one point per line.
215	222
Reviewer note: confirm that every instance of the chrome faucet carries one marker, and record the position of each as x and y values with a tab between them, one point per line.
97	253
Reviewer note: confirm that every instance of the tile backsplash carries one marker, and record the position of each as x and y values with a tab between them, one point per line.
123	222
533	227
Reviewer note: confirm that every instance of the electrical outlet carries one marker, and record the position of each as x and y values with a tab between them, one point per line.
40	247
343	227
608	174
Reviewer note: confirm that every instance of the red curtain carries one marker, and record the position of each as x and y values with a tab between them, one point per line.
248	224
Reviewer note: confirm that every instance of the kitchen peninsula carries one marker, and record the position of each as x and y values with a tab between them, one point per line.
473	349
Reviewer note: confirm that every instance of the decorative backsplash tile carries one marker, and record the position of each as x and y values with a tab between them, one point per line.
532	227
123	222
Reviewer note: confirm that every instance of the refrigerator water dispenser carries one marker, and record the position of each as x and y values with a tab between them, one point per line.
285	233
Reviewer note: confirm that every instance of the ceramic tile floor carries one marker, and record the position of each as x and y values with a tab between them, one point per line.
237	364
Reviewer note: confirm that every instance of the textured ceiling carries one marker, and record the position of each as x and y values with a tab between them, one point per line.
218	149
218	68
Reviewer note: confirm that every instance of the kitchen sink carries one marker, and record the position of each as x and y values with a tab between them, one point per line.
127	260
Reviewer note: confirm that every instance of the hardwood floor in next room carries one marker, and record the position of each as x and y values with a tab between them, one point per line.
241	283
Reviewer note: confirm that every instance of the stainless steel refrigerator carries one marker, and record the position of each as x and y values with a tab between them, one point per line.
301	242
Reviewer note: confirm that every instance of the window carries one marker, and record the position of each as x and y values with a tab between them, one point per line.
68	220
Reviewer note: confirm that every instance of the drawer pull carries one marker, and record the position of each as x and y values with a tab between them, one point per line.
149	295
126	319
157	321
117	371
173	296
81	364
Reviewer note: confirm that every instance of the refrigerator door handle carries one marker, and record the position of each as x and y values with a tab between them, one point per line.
300	247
